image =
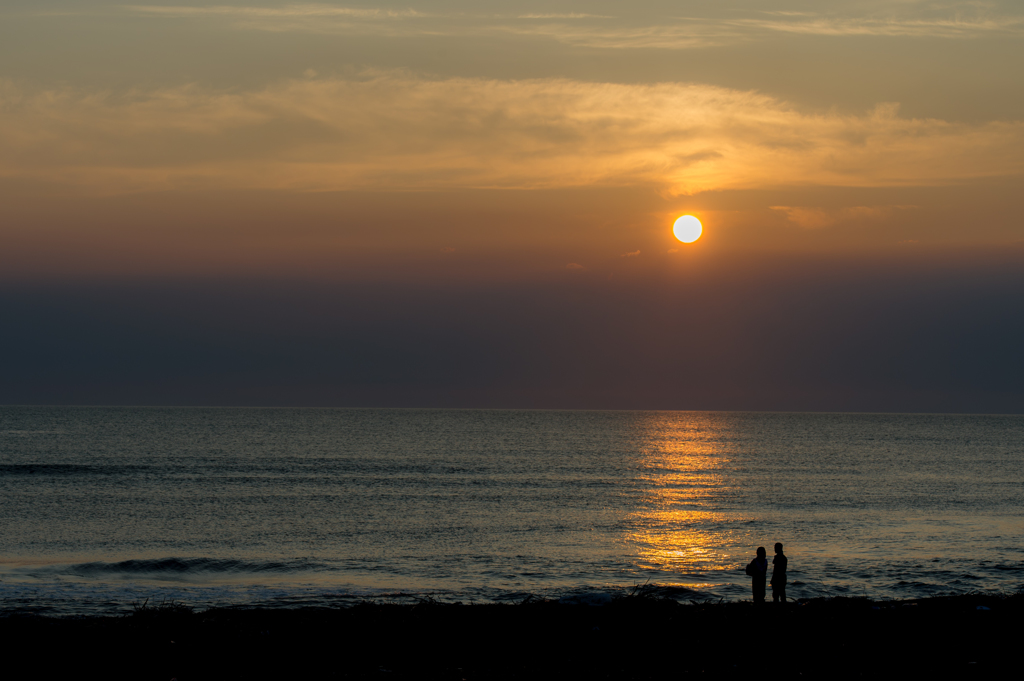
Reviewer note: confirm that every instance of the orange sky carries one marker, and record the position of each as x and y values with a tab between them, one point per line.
443	143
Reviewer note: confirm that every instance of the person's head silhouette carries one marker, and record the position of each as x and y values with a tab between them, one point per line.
761	553
778	547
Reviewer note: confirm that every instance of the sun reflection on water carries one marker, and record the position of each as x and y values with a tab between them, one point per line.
678	525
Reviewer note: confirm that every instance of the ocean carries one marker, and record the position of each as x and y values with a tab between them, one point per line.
103	508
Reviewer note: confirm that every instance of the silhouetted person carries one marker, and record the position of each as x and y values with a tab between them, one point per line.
758	570
779	564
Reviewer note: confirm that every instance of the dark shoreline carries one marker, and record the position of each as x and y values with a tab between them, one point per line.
639	637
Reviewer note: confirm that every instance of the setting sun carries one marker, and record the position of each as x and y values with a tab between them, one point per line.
687	229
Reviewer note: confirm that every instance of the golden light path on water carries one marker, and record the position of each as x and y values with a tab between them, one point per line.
683	475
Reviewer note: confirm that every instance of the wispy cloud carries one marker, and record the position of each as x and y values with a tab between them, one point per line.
586	30
593	30
393	130
304	18
565	16
679	36
812	217
893	27
305	10
785	13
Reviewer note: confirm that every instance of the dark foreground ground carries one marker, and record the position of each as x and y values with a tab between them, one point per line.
631	638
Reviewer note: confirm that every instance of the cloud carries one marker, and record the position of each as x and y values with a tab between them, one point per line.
576	29
397	131
632	254
690	34
298	10
591	30
575	266
304	18
447	249
565	16
813	217
954	27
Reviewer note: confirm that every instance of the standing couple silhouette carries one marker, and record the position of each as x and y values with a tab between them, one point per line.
758	571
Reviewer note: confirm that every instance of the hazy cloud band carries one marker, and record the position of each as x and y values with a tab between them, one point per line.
596	31
397	131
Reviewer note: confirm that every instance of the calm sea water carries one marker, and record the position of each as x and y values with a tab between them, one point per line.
101	507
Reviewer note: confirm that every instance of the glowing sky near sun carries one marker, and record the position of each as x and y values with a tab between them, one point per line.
530	143
755	115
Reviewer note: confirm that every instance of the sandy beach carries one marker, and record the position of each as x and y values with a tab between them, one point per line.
640	637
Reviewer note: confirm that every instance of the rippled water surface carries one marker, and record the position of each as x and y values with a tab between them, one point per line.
103	506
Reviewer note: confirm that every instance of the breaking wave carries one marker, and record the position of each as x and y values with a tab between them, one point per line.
175	568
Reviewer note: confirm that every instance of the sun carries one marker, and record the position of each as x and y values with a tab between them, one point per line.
687	229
